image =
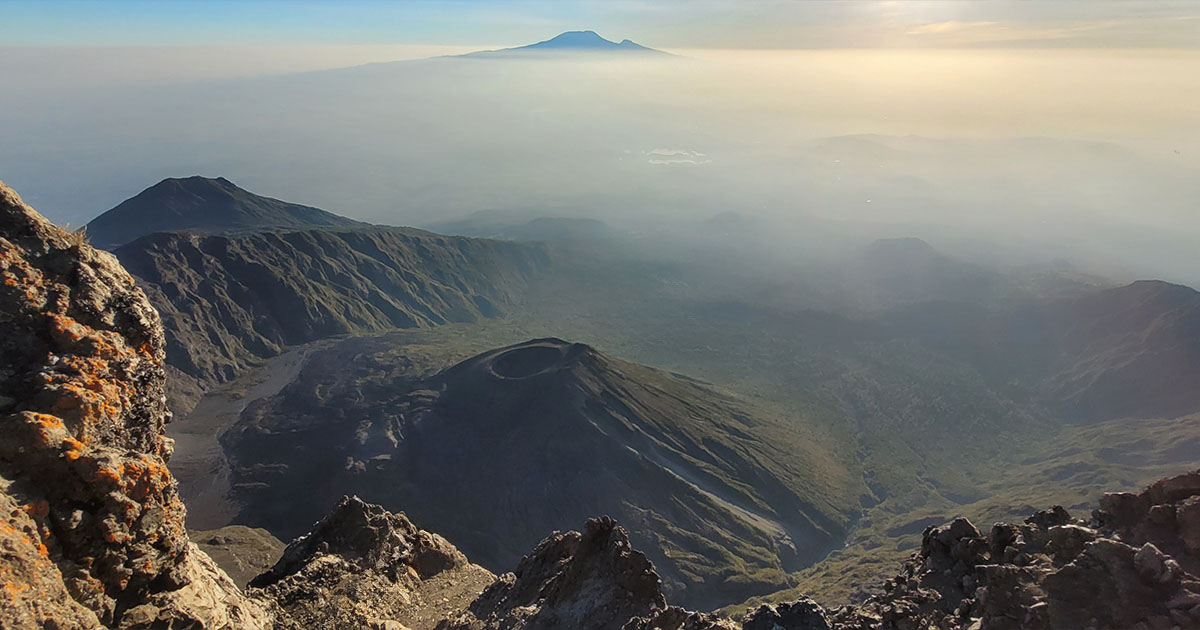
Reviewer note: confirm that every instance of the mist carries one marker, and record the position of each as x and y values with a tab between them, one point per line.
1003	156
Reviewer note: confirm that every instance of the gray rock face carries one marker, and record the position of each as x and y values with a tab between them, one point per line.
1052	571
364	567
91	525
591	580
371	539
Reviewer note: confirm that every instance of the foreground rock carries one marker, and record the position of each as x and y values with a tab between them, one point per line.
1128	566
91	528
591	580
364	567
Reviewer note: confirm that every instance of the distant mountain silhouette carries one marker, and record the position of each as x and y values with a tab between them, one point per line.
202	204
570	42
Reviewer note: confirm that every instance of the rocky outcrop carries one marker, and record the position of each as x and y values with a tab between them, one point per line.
591	580
91	528
364	567
1127	566
1112	570
676	618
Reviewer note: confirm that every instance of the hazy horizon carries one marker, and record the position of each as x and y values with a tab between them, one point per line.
1089	148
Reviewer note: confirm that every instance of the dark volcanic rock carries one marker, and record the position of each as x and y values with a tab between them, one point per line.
91	527
588	581
371	539
363	567
804	614
676	618
1052	571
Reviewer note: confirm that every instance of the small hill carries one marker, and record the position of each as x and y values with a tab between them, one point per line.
240	551
535	437
573	42
201	204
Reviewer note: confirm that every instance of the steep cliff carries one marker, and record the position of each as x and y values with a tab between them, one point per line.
364	567
91	526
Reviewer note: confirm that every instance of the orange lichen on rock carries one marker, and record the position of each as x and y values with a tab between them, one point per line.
89	491
144	477
65	330
13	589
108	475
147	351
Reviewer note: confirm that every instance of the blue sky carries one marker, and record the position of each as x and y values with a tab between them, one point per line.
664	23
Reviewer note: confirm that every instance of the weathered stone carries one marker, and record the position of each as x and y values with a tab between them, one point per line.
804	614
95	526
591	580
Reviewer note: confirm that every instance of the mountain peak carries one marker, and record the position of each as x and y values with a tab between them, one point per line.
576	38
202	204
573	41
195	184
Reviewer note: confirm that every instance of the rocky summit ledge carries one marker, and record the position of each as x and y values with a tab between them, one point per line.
91	528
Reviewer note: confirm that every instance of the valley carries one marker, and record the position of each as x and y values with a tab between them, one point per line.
199	462
759	435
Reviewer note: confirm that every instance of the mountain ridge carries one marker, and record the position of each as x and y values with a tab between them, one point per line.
238	277
204	205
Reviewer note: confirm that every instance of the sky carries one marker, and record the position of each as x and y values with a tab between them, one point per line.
1070	126
726	24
